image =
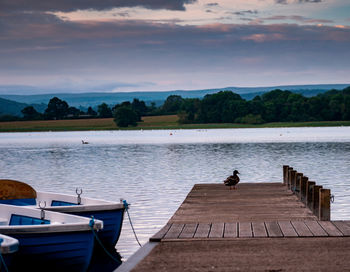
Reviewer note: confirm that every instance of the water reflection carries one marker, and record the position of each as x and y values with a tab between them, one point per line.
155	176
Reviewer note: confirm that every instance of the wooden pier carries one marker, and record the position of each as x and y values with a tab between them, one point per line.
258	227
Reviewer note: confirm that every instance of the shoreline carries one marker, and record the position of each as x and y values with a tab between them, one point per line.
148	123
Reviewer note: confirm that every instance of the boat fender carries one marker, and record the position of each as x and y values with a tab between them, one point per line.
2	261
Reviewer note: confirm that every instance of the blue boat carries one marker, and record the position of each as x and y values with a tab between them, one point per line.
8	246
48	241
111	213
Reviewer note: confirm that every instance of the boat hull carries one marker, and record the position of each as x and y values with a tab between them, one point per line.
53	251
112	225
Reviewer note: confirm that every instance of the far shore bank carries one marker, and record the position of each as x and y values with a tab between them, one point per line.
148	122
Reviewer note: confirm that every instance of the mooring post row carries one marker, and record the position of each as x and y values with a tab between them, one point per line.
312	195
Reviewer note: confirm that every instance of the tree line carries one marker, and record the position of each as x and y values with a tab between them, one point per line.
273	106
221	107
125	114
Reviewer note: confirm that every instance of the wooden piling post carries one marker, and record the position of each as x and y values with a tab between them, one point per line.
303	191
309	186
316	199
285	174
298	179
325	205
293	175
290	169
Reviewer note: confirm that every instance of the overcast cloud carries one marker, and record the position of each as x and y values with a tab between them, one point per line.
44	49
69	5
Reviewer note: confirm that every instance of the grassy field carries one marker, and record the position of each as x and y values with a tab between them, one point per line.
149	122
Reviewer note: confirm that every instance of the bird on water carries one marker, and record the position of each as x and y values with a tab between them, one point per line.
232	180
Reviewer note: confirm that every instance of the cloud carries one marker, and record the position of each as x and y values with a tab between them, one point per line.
310	1
243	12
285	2
69	5
48	49
212	4
297	18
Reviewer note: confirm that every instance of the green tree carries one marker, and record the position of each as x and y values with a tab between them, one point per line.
104	111
74	112
125	116
224	106
139	107
56	109
30	113
91	112
172	104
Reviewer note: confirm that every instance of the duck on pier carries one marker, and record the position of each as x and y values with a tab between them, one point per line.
232	180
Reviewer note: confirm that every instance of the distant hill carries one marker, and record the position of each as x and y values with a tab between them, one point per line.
10	107
84	100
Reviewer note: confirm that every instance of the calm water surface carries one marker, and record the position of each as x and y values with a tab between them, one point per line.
155	170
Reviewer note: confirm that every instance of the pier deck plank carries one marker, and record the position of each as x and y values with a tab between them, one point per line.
287	229
188	231
216	229
259	229
230	230
250	202
202	230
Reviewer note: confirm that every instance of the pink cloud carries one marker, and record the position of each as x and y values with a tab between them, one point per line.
259	38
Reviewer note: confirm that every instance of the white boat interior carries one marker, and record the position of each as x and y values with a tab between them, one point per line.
25	219
71	203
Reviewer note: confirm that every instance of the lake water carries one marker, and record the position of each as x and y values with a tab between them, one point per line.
155	170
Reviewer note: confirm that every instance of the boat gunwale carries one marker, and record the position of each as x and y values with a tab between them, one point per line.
59	222
8	245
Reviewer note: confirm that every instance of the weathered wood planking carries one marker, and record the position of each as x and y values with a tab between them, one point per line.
174	231
343	227
254	229
315	228
217	230
273	229
260	202
245	229
202	230
160	234
188	231
230	230
287	229
301	228
259	229
330	228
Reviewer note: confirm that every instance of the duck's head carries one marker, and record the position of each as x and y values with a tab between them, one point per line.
235	172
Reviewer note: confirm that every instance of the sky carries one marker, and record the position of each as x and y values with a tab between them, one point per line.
160	45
